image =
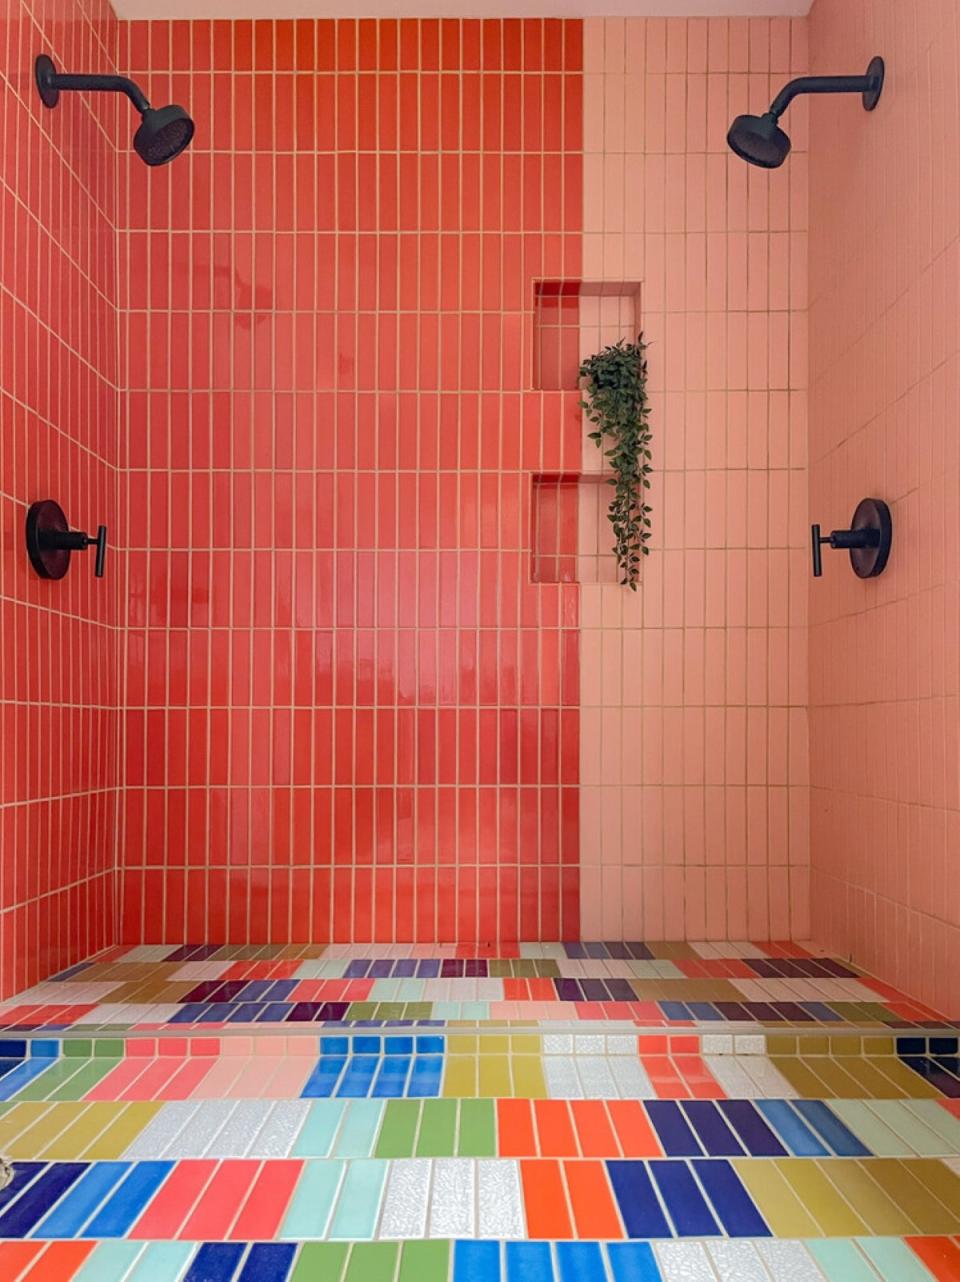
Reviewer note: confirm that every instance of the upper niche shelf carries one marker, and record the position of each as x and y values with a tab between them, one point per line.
575	318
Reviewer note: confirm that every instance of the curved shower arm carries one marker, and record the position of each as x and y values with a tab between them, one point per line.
110	84
820	84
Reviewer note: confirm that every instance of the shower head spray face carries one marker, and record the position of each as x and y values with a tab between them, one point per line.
759	140
163	134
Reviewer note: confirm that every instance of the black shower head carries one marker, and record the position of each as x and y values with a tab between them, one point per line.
163	132
759	140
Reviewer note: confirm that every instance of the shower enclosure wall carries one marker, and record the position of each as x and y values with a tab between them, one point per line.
306	374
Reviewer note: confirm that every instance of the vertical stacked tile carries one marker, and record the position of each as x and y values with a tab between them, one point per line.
351	714
58	439
693	690
885	379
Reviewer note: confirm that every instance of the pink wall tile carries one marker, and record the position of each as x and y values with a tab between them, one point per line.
884	388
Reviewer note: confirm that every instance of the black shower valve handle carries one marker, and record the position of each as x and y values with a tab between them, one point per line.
839	539
101	545
868	540
77	541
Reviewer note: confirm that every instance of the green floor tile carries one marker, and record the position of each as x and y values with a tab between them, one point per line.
111	1262
80	1048
60	1071
424	1262
399	1130
893	1259
361	1010
320	1262
358	1206
323	1122
840	1261
372	1262
417	1010
438	1128
478	1133
389	1010
313	1198
85	1079
109	1047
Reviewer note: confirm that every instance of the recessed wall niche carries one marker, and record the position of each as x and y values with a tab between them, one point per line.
573	319
571	538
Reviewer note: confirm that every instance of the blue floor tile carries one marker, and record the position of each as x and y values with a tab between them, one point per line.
795	1134
89	1192
633	1262
579	1261
476	1262
38	1197
268	1262
712	1131
757	1136
684	1201
674	1131
124	1207
731	1201
215	1262
639	1205
529	1262
830	1129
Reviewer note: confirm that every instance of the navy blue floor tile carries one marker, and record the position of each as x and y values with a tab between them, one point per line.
674	1131
738	1214
639	1205
757	1136
712	1131
681	1193
38	1197
215	1262
268	1262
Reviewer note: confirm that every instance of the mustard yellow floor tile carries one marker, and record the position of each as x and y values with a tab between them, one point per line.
818	1195
494	1076
881	1215
460	1077
875	1083
912	1084
78	1135
493	1044
462	1044
842	1084
31	1142
20	1118
878	1046
802	1077
528	1079
942	1182
123	1130
912	1196
778	1204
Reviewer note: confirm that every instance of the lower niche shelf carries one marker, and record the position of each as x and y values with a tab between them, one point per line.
571	538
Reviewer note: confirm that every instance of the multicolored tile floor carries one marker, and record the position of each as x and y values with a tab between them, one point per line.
647	984
748	1114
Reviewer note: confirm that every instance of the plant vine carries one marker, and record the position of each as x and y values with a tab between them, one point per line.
615	390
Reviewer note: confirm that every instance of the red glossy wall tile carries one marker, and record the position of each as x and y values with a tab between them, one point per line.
350	713
59	403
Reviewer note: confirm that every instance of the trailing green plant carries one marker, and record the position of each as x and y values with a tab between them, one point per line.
615	388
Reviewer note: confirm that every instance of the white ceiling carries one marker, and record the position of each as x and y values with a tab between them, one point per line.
470	9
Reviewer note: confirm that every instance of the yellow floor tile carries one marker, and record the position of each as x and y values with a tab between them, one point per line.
879	1213
801	1077
79	1134
942	1182
778	1204
494	1076
875	1083
912	1196
19	1119
122	1131
30	1143
818	1195
842	1083
528	1079
460	1077
912	1084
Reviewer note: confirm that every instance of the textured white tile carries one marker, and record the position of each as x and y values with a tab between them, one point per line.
770	1082
561	1077
162	1130
618	1044
499	1200
240	1129
211	1116
404	1213
452	1198
631	1078
789	1261
588	1044
557	1044
717	1044
737	1262
280	1129
750	1044
684	1262
734	1080
596	1078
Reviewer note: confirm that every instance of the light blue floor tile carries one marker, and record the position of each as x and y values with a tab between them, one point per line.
359	1129
162	1262
359	1201
323	1121
894	1260
110	1262
309	1210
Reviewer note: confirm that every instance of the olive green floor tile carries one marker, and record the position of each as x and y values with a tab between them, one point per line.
942	1182
60	1071
424	1262
398	1132
85	1079
801	1077
840	1084
438	1124
320	1262
372	1262
478	1132
874	1083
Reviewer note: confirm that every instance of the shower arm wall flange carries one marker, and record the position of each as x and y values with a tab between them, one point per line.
50	82
869	86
